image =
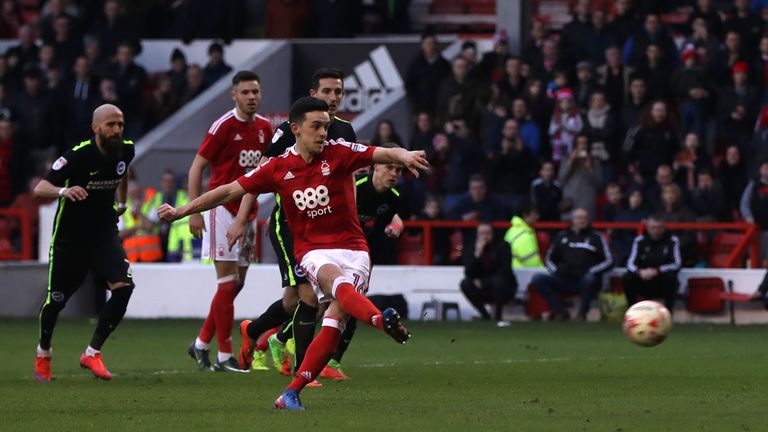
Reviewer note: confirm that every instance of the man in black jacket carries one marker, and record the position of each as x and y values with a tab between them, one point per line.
488	276
577	259
653	265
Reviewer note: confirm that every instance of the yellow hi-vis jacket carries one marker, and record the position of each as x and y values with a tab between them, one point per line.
523	244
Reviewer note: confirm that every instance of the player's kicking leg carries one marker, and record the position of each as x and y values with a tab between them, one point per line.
337	286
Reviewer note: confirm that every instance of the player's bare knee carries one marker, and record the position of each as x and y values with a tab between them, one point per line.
222	282
307	295
290	299
326	276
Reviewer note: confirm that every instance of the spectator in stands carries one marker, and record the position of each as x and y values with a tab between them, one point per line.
34	112
565	124
438	163
50	12
656	71
488	276
10	19
66	43
673	209
748	25
576	260
689	161
653	265
707	198
733	175
195	84
98	63
536	37
423	134
216	66
585	85
469	53
47	58
614	203
178	71
27	49
491	66
600	127
581	176
529	130
576	34
523	243
386	134
704	10
82	91
654	141
494	118
635	104
691	88
513	84
739	105
760	68
107	92
539	108
14	164
512	167
731	53
624	22
433	211
613	77
130	79
424	75
636	211
112	29
478	204
463	157
651	34
456	95
654	187
599	37
163	102
706	44
548	63
754	200
546	193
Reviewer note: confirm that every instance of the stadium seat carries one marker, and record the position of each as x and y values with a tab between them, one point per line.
720	249
410	249
615	285
708	295
536	306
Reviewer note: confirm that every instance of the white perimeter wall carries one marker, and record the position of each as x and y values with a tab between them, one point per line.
185	290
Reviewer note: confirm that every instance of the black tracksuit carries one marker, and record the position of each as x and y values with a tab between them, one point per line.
663	255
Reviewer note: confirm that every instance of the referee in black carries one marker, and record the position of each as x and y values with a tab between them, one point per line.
299	300
85	234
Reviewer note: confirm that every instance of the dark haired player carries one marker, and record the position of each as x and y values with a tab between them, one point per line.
318	201
299	304
85	234
233	146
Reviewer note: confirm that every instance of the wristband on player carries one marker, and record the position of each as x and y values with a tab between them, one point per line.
61	191
396	226
122	205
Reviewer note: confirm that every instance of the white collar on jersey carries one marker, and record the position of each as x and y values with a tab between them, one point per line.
293	150
234	111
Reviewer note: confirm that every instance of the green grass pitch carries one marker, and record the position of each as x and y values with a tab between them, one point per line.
449	377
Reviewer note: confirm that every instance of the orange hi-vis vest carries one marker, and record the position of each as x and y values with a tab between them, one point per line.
143	246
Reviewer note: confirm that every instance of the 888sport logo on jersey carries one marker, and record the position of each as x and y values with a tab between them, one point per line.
249	158
315	200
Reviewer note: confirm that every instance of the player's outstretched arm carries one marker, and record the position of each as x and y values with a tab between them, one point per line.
46	189
195	186
206	201
413	160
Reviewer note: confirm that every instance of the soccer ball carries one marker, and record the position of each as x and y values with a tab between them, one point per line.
647	323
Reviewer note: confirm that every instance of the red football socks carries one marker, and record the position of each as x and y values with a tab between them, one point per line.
318	354
223	311
357	305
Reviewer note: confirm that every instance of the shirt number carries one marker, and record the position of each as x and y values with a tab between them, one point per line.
310	198
249	158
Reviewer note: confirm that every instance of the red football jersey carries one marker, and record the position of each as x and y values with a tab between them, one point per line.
233	147
318	197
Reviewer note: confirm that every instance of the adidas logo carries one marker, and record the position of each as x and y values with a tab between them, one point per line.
238	137
371	80
307	375
289	175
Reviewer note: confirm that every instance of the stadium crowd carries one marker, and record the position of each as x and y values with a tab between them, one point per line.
618	112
